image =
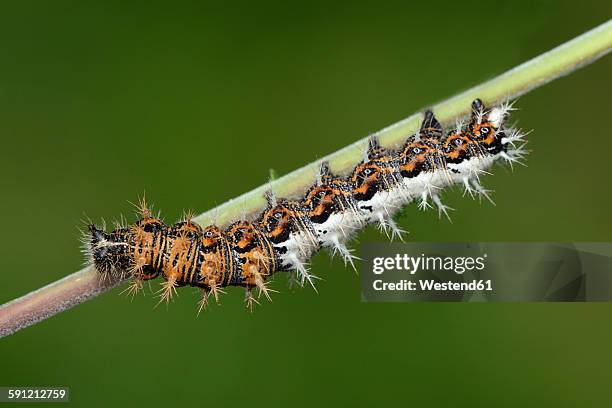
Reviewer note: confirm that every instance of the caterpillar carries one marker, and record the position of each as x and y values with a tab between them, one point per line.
247	253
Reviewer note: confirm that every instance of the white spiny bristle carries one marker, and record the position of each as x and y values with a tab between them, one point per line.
467	188
383	223
513	136
304	275
85	247
424	205
509	159
395	230
271	197
508	106
442	208
482	192
516	154
344	252
459	124
480	116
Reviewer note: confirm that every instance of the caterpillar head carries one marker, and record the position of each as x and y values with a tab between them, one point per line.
109	252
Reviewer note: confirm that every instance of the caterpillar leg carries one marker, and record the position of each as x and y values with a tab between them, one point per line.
442	208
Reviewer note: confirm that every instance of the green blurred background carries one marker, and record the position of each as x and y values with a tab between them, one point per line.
194	102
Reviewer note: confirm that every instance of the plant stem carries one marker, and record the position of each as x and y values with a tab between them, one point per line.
86	284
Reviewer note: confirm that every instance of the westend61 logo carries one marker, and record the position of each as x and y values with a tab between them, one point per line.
414	264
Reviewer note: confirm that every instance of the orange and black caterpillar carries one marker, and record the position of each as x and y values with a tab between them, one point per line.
288	232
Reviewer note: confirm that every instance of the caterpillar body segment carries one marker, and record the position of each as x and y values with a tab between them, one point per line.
293	237
333	213
377	189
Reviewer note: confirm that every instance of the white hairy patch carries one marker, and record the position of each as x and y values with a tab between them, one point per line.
299	248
